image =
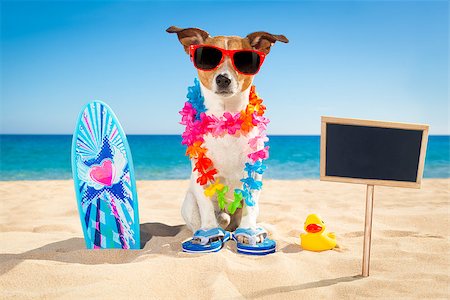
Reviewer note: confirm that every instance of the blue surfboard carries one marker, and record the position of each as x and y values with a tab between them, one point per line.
104	180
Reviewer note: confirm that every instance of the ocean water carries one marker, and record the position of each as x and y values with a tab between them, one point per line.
42	157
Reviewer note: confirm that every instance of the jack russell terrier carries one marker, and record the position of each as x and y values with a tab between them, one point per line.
225	135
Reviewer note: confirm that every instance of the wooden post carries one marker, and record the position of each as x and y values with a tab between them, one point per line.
367	230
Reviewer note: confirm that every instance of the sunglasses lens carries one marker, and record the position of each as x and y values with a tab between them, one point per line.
207	58
247	62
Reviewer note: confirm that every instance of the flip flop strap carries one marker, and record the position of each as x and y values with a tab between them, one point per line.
250	234
206	235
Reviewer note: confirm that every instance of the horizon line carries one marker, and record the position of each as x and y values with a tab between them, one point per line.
167	134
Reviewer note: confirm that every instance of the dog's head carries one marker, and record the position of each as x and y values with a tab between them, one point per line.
225	80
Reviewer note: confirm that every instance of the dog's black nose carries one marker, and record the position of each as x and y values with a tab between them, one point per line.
222	81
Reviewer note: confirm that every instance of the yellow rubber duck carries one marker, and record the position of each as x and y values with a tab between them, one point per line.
316	237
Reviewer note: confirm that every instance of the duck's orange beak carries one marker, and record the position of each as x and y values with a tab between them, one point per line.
313	228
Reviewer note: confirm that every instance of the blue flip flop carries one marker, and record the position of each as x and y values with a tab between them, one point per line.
267	246
205	241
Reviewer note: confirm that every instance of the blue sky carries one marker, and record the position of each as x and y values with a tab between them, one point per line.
384	60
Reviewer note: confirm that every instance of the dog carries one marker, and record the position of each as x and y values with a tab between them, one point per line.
224	89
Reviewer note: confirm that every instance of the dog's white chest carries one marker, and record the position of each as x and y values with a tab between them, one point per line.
229	154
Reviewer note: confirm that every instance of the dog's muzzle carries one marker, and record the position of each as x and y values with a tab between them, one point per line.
223	83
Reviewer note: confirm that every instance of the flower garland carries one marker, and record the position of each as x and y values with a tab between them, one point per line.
198	124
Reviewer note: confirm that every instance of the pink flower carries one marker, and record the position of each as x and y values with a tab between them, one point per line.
187	113
232	123
187	138
216	126
205	121
260	154
260	121
192	133
253	142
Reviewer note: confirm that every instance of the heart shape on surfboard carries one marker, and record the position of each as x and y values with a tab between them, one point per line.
103	173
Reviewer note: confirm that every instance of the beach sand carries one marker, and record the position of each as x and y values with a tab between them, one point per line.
43	255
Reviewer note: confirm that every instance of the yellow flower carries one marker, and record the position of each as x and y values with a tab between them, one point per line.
213	187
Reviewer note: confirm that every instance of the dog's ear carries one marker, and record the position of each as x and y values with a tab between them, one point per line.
189	36
262	41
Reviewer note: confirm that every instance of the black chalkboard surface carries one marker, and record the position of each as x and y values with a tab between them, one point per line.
372	152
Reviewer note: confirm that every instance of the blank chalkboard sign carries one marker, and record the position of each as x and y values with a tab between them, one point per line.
372	152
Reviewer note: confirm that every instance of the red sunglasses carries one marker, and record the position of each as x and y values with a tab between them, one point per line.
208	58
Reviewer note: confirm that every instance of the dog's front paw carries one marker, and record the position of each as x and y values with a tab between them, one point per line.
246	239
